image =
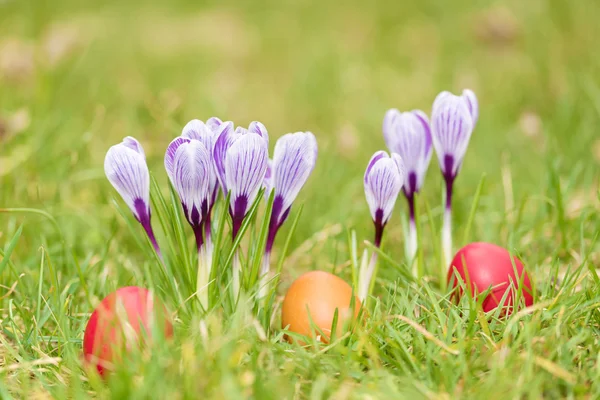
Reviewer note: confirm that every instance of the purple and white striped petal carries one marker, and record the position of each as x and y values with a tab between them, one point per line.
126	169
207	134
408	135
245	168
469	96
451	129
428	139
383	180
268	181
389	121
214	124
257	127
170	155
191	177
226	137
133	144
198	130
293	161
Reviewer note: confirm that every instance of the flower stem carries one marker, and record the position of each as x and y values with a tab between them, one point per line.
412	234
204	269
264	275
365	276
447	228
237	272
367	270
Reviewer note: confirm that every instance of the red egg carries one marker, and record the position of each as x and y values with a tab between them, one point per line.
484	265
122	321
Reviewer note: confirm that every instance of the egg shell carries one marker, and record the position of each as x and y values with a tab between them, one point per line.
320	294
484	265
125	318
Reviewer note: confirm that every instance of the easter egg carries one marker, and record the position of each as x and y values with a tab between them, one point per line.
125	319
312	300
483	266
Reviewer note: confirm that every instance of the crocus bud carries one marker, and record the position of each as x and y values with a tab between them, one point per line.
452	126
126	169
383	180
189	167
408	135
241	158
293	161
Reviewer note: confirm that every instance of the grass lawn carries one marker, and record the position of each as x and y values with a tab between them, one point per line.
76	77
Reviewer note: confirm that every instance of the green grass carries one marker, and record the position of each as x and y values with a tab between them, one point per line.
75	79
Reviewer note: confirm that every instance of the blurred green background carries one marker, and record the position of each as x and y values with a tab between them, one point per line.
76	77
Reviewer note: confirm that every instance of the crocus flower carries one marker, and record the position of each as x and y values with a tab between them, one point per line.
452	121
293	161
206	133
383	180
126	169
241	157
408	135
189	167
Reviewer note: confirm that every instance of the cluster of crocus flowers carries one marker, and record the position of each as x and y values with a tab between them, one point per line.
413	136
206	156
383	180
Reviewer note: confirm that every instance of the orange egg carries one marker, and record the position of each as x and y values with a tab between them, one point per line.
320	294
